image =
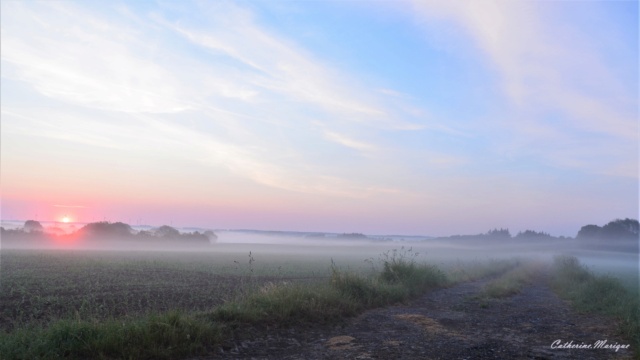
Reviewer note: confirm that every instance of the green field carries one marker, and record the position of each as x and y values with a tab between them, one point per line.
120	304
38	287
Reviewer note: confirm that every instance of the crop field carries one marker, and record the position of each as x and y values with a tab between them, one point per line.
48	290
40	286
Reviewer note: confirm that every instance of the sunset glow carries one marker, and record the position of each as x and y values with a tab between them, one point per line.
403	117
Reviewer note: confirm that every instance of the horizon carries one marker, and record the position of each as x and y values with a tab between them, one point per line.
72	226
411	117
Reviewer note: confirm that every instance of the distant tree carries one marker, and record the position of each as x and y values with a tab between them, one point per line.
104	228
620	229
632	225
22	235
502	233
617	229
193	236
166	231
32	225
211	236
530	234
353	236
589	232
56	230
143	234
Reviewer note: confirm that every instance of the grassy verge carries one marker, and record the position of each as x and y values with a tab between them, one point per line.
598	294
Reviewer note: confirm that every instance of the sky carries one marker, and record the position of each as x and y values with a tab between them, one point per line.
380	117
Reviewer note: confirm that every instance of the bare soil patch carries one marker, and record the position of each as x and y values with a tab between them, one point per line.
451	323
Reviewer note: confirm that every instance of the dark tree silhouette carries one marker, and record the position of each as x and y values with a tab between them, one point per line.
589	232
166	231
105	228
502	233
627	229
530	234
621	229
32	225
211	236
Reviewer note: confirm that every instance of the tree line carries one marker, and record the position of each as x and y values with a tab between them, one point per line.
108	230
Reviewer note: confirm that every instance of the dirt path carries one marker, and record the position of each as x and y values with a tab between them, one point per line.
450	323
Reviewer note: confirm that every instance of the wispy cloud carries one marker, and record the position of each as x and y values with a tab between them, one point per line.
179	95
257	89
281	67
548	70
348	142
92	62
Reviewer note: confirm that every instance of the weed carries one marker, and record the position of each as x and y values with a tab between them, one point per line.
345	294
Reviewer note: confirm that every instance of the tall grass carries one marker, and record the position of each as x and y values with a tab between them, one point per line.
598	294
346	294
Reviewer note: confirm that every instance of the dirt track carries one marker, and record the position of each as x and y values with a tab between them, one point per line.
452	323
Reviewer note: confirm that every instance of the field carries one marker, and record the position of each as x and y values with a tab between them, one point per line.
41	286
204	293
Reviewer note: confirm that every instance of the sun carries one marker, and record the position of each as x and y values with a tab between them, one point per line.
65	219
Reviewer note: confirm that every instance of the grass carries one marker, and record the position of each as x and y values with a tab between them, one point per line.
97	326
166	336
165	306
512	281
286	305
601	294
459	271
39	287
346	294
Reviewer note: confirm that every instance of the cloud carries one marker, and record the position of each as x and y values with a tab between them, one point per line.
563	70
281	68
71	55
219	84
261	163
348	142
392	93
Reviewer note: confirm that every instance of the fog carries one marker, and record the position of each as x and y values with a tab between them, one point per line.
331	246
604	256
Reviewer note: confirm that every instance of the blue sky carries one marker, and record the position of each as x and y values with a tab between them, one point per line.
423	117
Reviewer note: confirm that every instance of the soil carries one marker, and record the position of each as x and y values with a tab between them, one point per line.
450	323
